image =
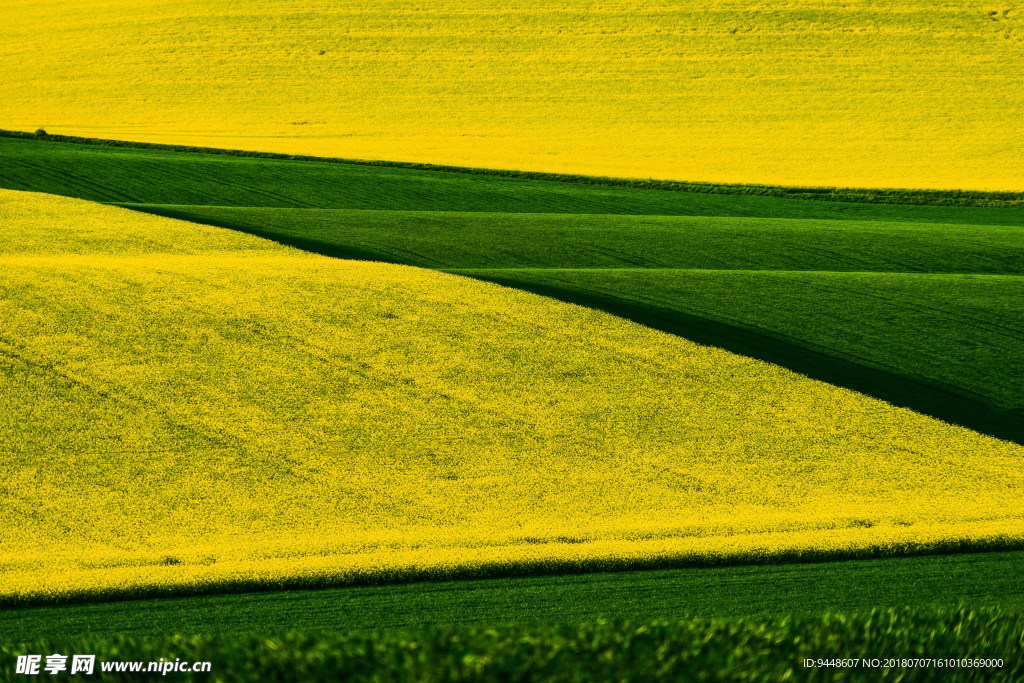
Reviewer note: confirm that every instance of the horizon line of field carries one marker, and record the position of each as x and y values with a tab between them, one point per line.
895	195
983	578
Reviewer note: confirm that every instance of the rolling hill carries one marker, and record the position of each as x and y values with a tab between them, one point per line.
910	303
919	314
188	408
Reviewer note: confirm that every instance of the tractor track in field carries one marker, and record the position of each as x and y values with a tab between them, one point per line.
204	178
105	193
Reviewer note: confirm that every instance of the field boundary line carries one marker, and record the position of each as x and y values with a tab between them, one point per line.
907	196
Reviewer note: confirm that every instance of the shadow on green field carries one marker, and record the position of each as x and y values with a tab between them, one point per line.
924	397
304	243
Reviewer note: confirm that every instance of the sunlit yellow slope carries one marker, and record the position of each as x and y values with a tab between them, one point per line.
903	93
181	405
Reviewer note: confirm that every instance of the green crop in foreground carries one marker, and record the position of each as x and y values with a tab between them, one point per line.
218	411
752	648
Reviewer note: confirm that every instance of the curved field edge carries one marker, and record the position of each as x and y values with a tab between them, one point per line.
917	359
180	575
905	196
761	647
921	394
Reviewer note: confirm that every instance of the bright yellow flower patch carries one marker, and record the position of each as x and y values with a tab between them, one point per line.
897	93
182	406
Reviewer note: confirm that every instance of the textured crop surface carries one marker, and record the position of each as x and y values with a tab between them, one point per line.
748	649
891	93
446	239
186	407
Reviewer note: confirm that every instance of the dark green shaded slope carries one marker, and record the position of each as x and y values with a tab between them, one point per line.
149	176
947	346
434	239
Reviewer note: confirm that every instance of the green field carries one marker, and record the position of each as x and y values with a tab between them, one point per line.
123	173
769	648
912	304
479	239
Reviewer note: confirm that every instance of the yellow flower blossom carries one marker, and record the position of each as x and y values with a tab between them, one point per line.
888	93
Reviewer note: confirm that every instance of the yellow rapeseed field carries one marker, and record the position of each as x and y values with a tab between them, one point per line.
901	93
183	406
